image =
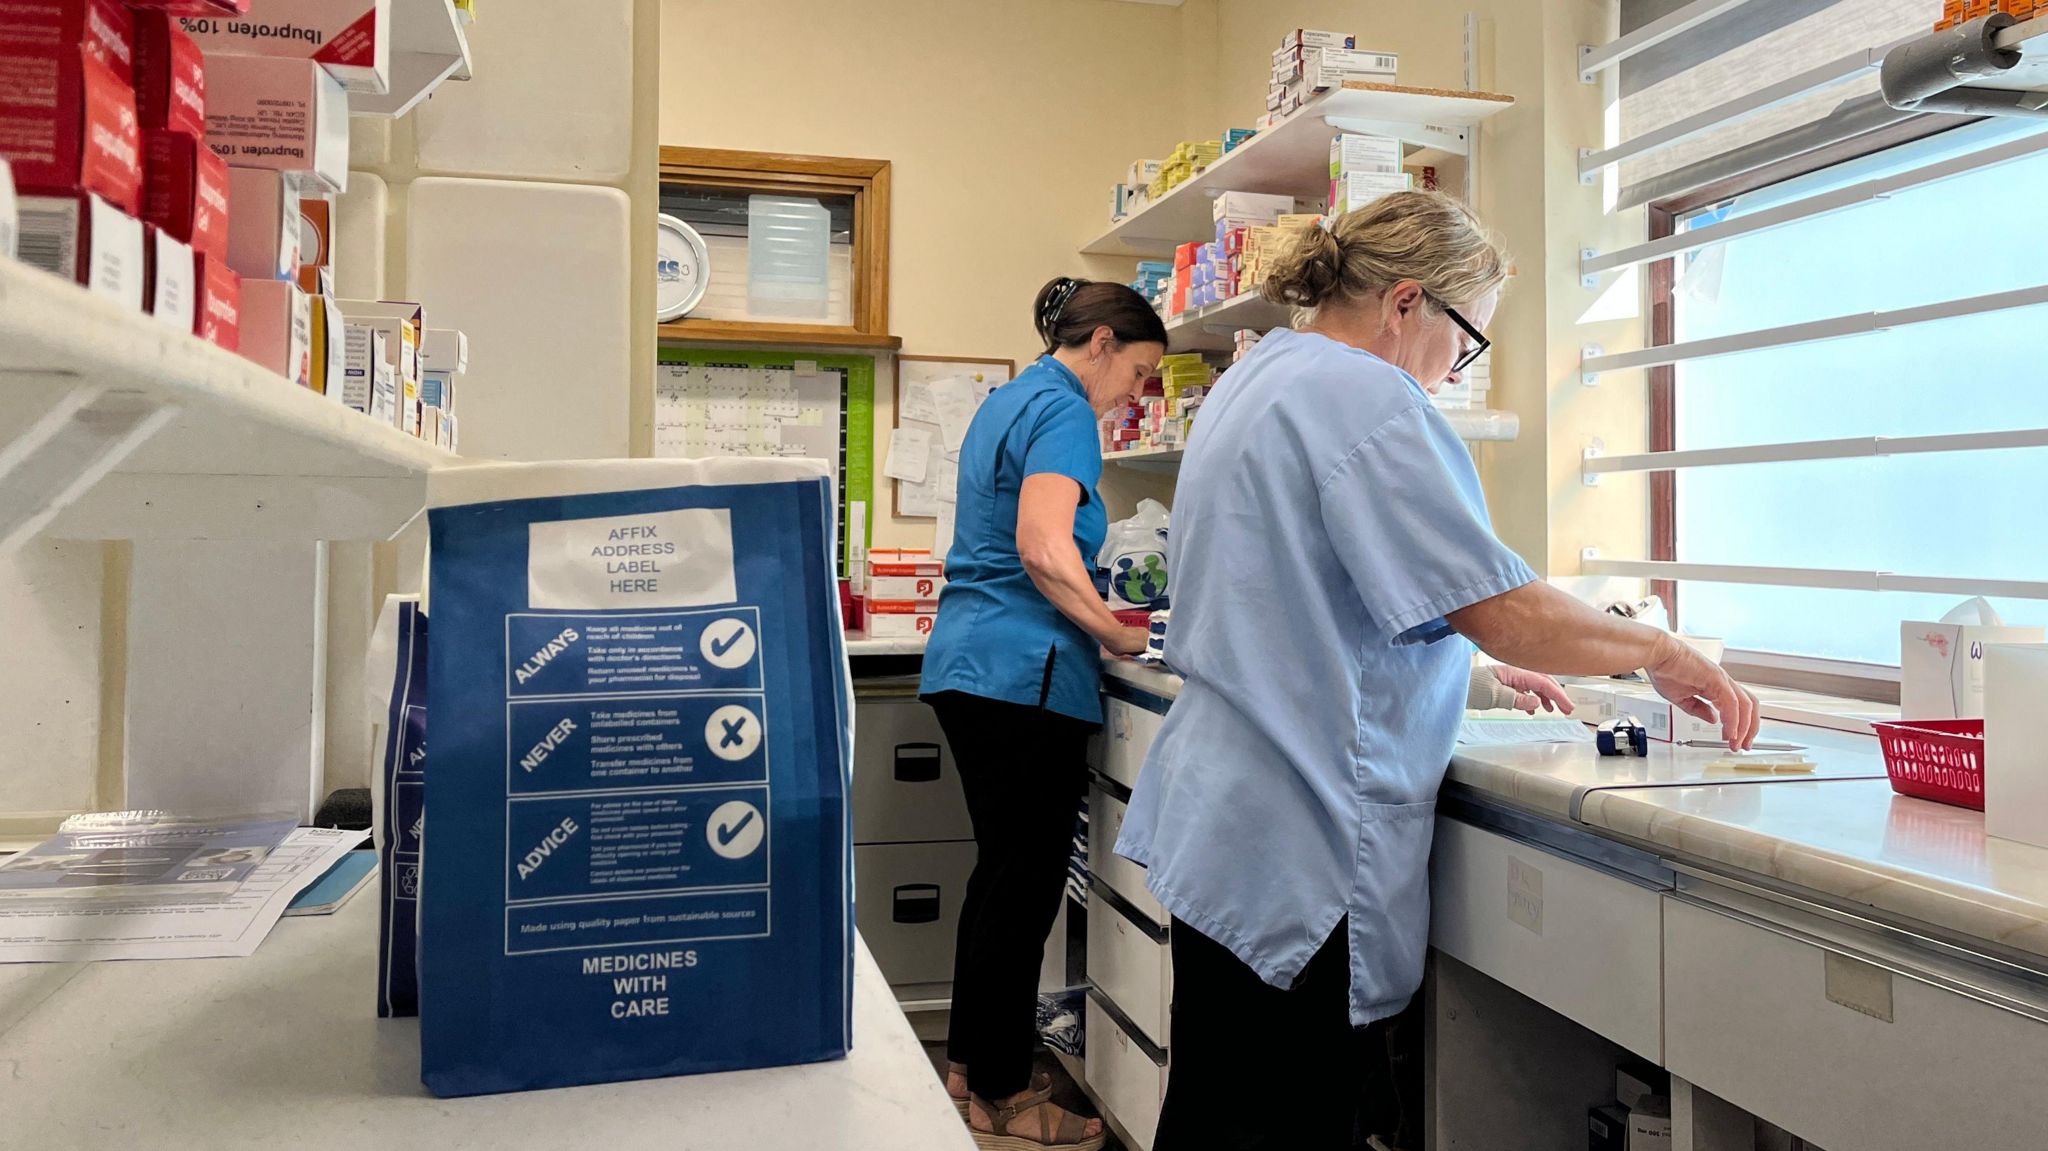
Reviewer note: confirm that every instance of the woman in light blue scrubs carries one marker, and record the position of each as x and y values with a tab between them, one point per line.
1013	670
1330	545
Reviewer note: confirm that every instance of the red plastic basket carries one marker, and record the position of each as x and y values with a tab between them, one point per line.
1937	759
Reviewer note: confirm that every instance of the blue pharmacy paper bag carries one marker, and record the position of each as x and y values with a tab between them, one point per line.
400	812
641	855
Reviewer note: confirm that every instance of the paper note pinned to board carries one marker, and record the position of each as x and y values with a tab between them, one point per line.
942	536
947	477
954	398
910	452
916	403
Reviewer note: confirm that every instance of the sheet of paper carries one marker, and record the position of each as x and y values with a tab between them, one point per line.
167	925
910	451
947	479
916	403
942	536
1496	732
954	398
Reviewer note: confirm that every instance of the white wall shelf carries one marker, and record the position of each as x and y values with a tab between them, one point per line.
1213	328
429	47
1293	157
113	426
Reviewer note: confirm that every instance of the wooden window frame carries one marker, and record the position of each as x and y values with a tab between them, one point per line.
867	181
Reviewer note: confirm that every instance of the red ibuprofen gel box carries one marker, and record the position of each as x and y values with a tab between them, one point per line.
185	191
67	113
170	76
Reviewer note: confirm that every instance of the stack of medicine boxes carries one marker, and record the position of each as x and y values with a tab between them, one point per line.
1309	62
1362	169
903	589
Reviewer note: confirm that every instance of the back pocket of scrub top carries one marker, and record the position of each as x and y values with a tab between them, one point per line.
1390	912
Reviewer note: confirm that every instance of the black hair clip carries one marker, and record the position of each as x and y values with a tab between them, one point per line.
1057	302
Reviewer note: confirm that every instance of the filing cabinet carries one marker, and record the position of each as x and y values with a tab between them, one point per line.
913	843
907	899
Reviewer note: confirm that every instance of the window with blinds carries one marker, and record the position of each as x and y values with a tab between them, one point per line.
1855	367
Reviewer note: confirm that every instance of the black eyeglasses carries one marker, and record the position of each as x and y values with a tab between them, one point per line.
1479	341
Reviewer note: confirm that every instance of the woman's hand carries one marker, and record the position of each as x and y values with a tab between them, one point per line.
1128	641
1533	690
1698	687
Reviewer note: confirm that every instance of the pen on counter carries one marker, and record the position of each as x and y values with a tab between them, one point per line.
1759	745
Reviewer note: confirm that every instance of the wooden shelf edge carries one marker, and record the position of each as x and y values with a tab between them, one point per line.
1445	93
780	336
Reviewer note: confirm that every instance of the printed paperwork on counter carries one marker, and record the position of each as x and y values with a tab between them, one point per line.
158	889
1487	731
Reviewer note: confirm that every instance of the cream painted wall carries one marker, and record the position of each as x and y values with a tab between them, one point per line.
1005	125
1002	174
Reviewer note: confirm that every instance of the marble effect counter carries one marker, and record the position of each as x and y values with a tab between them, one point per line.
1840	833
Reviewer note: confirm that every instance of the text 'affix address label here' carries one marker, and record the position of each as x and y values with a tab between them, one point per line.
661	559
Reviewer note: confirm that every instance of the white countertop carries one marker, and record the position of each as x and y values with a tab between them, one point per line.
284	1050
859	643
1840	832
1857	841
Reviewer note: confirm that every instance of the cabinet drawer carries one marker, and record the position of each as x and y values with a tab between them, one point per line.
1844	1053
1127	879
1582	942
906	788
1130	968
907	904
1128	1081
1127	733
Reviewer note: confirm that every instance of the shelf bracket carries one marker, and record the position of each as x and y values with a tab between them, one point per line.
1589	352
61	438
1446	138
1588	280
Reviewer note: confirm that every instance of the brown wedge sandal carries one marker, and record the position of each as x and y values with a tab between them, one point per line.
1067	1136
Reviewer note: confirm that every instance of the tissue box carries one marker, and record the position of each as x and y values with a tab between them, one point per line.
350	38
1941	665
2016	742
277	329
84	239
170	284
185	190
263	224
285	115
170	76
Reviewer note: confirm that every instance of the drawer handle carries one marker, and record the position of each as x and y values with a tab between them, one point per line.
917	763
916	903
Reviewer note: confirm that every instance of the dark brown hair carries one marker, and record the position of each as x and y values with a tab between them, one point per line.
1068	311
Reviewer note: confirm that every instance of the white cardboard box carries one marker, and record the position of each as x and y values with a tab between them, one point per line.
263	224
1662	720
277	329
2016	742
1358	189
362	355
923	587
286	115
10	219
1250	205
906	626
1941	666
350	38
444	350
1350	152
85	240
173	282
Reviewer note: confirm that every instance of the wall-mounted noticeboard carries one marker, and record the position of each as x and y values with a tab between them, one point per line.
935	395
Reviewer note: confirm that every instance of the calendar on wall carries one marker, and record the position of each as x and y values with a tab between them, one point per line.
710	403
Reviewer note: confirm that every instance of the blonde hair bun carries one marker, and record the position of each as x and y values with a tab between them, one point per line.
1427	237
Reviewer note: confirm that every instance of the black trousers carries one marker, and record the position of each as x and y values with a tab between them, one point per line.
1258	1067
1023	770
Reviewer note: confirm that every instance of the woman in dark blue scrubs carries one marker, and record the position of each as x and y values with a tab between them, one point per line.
1013	670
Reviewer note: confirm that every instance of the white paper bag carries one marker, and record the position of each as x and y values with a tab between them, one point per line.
1941	665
